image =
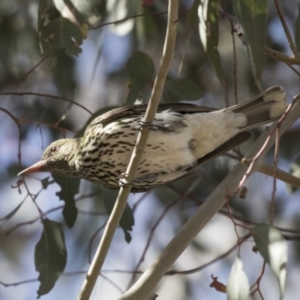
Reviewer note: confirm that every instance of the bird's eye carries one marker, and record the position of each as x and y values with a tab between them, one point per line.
53	149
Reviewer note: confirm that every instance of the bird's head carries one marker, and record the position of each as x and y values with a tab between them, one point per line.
58	158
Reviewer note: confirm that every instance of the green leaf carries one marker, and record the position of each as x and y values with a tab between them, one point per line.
181	89
45	182
57	32
208	13
141	69
133	95
69	188
273	248
297	29
238	287
50	256
166	194
295	171
253	17
127	219
193	14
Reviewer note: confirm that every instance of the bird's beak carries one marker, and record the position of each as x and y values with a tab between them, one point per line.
37	167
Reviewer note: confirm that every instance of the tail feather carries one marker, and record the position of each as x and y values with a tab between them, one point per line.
264	108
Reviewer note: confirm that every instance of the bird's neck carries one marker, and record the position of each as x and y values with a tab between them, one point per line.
72	166
77	163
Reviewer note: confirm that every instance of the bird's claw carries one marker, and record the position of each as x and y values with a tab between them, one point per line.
123	182
144	124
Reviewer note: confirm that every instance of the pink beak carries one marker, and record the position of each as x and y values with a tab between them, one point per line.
34	168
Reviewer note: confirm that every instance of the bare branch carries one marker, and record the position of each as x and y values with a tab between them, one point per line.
47	96
121	201
286	30
280	174
281	57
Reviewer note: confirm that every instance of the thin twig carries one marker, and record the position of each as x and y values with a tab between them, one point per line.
234	61
47	96
129	18
281	57
276	159
18	81
286	29
120	204
16	120
279	174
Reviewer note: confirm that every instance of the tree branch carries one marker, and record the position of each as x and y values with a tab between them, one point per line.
286	29
117	212
151	277
279	174
281	57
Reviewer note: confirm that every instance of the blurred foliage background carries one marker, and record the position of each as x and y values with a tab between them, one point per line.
35	107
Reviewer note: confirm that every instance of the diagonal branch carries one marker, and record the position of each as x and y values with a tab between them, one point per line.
116	214
286	177
269	52
286	29
152	276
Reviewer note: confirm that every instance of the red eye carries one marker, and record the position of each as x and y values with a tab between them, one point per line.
53	149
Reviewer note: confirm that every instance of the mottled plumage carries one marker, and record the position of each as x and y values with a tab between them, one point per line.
181	137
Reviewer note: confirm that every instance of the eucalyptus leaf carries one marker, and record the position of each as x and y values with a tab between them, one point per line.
181	89
253	17
50	256
69	188
238	287
193	14
133	96
57	32
141	69
295	171
208	13
273	248
297	29
127	219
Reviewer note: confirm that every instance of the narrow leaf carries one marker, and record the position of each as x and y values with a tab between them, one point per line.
57	32
50	256
181	89
45	182
69	188
141	69
193	14
295	171
238	287
297	29
127	219
133	96
272	246
253	17
208	13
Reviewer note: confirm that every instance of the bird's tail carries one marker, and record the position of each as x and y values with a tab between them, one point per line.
267	107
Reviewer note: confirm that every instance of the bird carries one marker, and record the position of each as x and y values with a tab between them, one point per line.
181	137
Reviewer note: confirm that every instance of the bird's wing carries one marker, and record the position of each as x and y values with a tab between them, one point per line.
234	142
129	111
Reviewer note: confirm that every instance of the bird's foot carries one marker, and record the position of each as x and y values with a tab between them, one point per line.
123	182
146	124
